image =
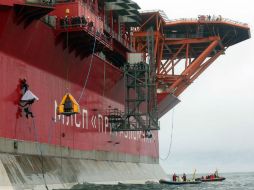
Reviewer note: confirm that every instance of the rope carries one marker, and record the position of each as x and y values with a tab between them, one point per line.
40	150
104	80
66	59
171	138
50	130
89	70
61	151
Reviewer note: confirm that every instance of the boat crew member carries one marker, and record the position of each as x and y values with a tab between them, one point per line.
216	174
174	177
184	177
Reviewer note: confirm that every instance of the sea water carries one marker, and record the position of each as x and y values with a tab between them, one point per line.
234	181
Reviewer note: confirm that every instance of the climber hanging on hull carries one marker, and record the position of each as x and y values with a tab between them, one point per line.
27	99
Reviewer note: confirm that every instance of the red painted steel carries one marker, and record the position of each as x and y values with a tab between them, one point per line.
78	9
32	53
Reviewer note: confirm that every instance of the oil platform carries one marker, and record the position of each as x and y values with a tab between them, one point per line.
85	82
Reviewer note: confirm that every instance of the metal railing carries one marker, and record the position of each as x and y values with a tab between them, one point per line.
81	24
41	2
118	37
207	18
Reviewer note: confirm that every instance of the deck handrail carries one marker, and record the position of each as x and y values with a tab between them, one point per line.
204	18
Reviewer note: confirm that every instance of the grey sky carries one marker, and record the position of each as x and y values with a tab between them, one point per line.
214	123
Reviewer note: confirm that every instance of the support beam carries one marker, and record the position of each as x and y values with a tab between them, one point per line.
204	66
173	66
174	57
187	56
194	66
150	18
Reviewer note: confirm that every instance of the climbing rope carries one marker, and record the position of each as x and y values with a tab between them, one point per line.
41	154
89	70
104	80
61	150
66	60
171	139
50	130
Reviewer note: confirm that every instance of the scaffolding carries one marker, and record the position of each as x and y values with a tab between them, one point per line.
140	109
178	51
141	113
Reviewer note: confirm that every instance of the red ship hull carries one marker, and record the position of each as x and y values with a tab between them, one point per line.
51	150
32	53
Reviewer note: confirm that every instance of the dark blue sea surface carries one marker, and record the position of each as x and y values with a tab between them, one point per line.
234	181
